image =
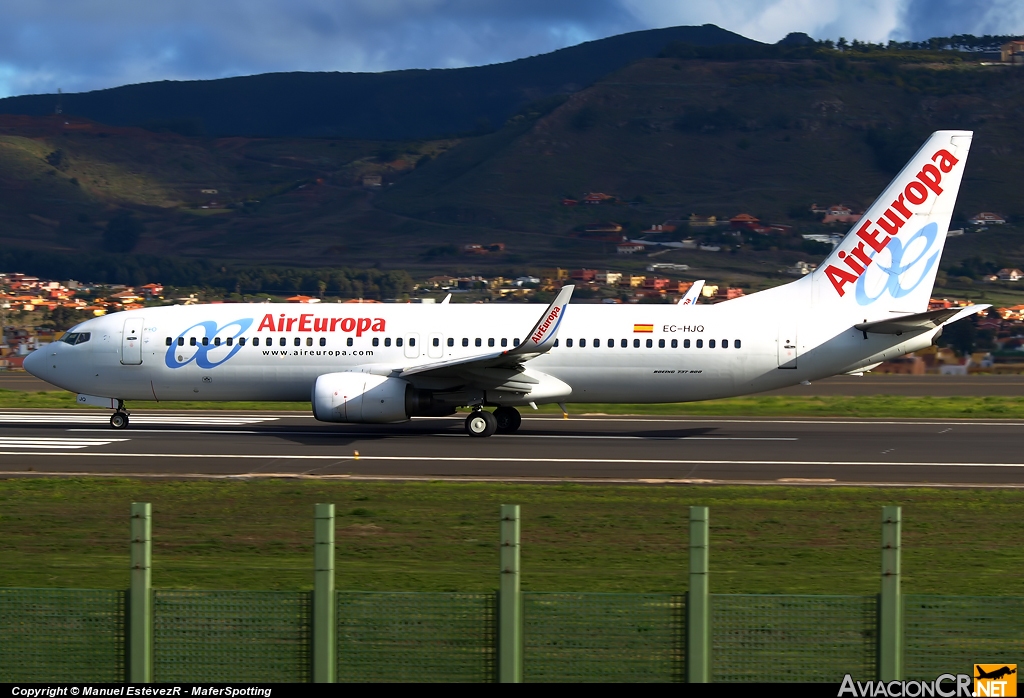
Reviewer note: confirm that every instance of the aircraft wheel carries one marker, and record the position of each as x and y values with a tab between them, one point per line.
508	419
119	420
481	423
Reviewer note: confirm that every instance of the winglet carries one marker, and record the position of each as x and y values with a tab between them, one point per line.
693	293
542	336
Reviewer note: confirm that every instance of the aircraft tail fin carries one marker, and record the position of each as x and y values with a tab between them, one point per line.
888	261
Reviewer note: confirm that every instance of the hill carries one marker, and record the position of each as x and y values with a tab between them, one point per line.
666	136
396	105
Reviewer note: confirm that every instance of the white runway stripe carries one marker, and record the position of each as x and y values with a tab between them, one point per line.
52	443
59	418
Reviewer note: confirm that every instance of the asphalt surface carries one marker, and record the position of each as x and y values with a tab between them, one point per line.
584	448
877	384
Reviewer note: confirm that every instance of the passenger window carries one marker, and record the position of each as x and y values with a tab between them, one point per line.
490	341
675	343
711	344
283	342
230	341
661	343
309	341
597	343
515	342
298	341
700	343
636	343
479	342
504	341
376	341
241	341
568	343
625	343
399	342
436	341
206	341
412	341
168	341
736	344
216	341
650	343
181	341
611	343
451	341
686	344
556	342
583	343
387	341
465	341
725	343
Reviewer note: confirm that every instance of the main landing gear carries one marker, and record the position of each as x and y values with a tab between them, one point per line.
504	420
119	420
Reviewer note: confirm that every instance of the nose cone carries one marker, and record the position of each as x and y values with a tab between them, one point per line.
34	363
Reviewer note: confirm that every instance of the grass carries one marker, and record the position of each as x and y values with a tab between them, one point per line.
443	536
886	406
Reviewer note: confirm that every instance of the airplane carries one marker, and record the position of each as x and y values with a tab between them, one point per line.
865	304
995	673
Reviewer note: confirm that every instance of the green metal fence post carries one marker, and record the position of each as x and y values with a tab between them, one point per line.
324	624
510	600
890	604
698	649
140	608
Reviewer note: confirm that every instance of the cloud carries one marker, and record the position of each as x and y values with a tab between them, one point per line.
92	44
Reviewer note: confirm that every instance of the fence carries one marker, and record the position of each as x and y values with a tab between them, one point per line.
327	635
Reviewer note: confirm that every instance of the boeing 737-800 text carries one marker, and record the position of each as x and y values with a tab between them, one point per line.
868	302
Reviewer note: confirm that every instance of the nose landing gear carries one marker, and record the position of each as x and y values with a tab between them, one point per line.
119	420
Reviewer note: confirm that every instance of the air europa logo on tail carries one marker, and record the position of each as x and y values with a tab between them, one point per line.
918	191
542	328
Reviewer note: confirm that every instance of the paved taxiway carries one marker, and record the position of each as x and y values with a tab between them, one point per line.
650	449
871	384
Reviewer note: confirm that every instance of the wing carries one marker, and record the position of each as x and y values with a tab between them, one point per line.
539	341
920	321
693	294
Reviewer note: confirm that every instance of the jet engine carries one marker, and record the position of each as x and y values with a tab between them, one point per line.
366	398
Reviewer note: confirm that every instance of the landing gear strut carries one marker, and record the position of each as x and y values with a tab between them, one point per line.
508	419
481	423
119	420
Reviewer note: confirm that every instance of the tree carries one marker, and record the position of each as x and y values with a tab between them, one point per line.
122	232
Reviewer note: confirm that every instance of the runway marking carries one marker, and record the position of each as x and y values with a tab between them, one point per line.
685	419
526	459
808	482
327	433
103	418
52	442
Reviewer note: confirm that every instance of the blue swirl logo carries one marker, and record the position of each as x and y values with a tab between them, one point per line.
201	352
898	267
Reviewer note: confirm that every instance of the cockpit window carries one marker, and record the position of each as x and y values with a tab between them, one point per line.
76	337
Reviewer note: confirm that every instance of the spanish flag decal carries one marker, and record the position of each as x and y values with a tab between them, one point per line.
643	328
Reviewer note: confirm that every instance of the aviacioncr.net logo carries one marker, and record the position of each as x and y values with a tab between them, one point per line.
901	267
208	355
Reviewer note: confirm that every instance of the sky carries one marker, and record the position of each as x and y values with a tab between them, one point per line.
80	45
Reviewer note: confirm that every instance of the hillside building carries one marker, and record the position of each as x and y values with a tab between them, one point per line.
1013	52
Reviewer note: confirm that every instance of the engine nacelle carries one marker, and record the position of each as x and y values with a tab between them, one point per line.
361	397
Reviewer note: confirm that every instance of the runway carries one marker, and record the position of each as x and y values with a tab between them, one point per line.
871	384
547	448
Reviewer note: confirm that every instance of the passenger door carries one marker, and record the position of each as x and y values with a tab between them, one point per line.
788	351
131	342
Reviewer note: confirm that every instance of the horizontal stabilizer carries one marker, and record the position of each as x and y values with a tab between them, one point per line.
920	321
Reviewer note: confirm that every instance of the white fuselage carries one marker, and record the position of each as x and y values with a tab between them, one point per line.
605	353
